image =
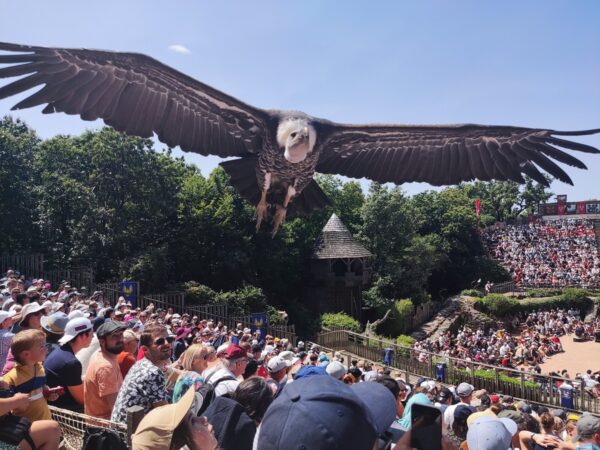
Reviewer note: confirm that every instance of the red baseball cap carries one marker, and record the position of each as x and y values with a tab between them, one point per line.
234	352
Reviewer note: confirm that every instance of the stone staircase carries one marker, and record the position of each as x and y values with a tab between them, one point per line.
441	322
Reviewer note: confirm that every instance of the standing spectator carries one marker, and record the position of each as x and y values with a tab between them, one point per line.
6	337
128	356
278	368
180	345
144	385
64	369
103	377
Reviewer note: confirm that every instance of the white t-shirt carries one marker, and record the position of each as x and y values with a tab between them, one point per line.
226	386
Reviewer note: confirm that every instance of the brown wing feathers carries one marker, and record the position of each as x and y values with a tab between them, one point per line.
448	155
135	94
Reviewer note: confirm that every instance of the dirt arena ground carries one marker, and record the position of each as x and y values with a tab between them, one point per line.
578	357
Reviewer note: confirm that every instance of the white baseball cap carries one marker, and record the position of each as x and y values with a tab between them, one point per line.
75	327
77	314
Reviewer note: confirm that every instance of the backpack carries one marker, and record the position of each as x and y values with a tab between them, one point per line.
102	439
207	391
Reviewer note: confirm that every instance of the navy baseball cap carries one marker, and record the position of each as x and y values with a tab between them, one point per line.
319	412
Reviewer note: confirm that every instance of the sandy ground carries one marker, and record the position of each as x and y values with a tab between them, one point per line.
578	357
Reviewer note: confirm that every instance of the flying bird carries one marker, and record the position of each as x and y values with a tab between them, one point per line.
278	152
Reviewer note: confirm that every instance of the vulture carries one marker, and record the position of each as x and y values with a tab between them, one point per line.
276	152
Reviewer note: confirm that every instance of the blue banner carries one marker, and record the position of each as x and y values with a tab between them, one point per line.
129	290
259	322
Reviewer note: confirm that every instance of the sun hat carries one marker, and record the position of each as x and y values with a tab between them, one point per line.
30	308
75	327
155	431
488	433
55	323
476	415
338	416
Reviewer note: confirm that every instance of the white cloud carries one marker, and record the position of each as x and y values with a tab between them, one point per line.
177	48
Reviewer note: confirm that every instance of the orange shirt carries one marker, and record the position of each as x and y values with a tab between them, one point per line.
125	360
103	377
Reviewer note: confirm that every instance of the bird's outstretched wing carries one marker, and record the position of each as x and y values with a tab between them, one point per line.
447	154
135	94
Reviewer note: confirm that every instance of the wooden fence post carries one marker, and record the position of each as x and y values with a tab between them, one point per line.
135	414
496	379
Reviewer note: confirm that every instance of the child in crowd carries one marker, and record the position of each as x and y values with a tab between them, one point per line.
28	376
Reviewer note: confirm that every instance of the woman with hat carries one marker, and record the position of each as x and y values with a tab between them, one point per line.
31	316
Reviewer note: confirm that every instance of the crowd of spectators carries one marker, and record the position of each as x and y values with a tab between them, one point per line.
204	386
548	253
537	337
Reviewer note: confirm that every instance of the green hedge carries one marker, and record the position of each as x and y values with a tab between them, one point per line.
403	339
491	375
340	320
499	305
472	293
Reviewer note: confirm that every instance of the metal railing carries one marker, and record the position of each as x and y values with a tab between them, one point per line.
517	383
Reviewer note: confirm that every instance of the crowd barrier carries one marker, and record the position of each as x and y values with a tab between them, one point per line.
525	385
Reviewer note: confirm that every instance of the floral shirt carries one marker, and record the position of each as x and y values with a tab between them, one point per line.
143	386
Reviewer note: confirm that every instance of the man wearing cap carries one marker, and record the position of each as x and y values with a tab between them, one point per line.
465	393
277	367
6	336
489	433
64	369
103	378
588	433
144	385
225	379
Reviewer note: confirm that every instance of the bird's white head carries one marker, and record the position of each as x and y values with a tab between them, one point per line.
297	137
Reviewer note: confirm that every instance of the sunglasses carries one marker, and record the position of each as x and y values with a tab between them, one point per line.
162	341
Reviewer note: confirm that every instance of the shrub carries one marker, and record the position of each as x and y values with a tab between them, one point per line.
575	295
498	305
543	292
471	293
341	321
199	294
396	323
403	339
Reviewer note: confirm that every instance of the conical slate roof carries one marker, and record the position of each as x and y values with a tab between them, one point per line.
335	241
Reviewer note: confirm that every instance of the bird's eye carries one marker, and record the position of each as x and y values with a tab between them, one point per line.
293	134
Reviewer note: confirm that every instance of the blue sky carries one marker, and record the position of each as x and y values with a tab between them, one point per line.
533	64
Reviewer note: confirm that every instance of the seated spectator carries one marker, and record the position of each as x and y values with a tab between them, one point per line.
31	316
43	434
232	426
64	369
54	327
103	379
6	336
317	412
172	427
255	395
194	362
28	377
128	356
144	385
588	433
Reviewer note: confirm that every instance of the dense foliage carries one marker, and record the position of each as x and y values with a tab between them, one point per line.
118	205
499	305
340	321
